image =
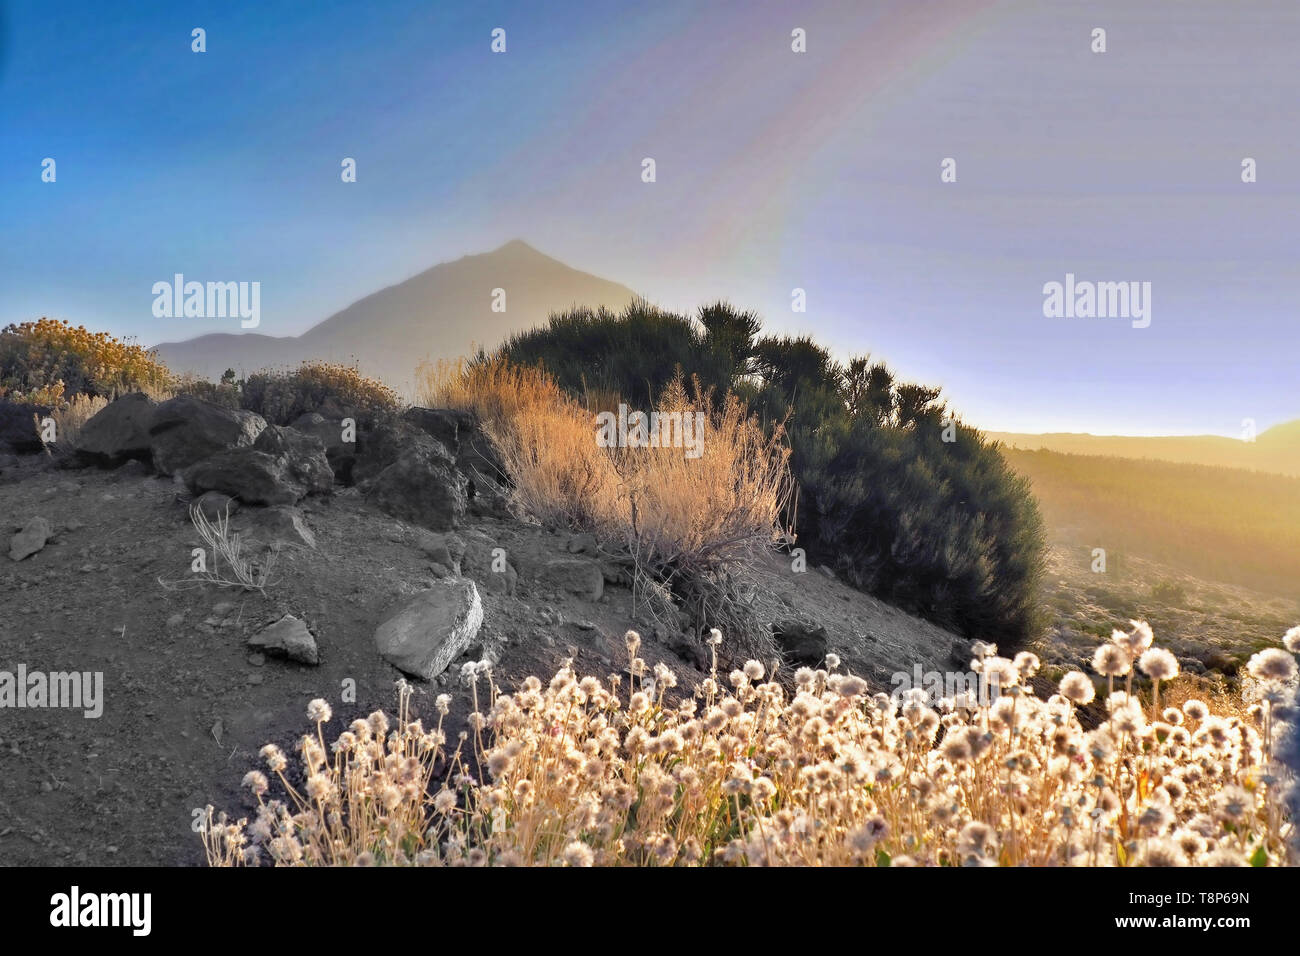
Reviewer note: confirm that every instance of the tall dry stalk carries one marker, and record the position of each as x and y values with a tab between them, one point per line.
227	548
688	522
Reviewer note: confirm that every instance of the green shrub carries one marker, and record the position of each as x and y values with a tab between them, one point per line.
633	354
904	502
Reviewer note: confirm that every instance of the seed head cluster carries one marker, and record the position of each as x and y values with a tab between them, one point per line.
816	770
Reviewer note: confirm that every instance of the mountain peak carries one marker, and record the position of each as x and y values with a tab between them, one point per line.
516	245
443	312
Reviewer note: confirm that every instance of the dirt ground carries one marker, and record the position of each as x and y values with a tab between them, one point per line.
187	705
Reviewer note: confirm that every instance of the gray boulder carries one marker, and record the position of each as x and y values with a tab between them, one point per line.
185	430
424	633
30	539
491	570
340	454
304	456
18	426
461	434
421	488
446	549
281	466
119	431
381	445
442	424
503	581
252	476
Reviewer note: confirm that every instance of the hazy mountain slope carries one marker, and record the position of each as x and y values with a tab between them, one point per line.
1220	524
1276	450
440	313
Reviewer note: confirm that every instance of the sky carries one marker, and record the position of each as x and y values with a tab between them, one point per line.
775	170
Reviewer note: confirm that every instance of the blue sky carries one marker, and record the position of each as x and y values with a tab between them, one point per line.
775	170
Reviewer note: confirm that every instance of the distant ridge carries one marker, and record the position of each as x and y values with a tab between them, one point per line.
1275	450
439	314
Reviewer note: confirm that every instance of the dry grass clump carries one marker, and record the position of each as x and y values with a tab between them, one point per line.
688	522
584	771
231	566
544	437
70	416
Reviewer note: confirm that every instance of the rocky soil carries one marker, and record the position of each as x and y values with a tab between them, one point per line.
1213	628
404	556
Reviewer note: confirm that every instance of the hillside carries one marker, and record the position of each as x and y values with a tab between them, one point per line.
1229	525
191	702
1275	450
439	314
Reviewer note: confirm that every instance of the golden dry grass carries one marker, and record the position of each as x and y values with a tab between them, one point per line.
74	413
683	519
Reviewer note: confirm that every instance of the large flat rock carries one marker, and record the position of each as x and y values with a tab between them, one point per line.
425	632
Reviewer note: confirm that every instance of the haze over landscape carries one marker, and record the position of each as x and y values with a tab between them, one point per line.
775	171
447	311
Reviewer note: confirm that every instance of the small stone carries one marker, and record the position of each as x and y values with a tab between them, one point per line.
287	637
31	539
583	543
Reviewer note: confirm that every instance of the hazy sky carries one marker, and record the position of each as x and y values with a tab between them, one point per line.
775	170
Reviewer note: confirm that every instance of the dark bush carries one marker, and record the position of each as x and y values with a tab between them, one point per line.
903	500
